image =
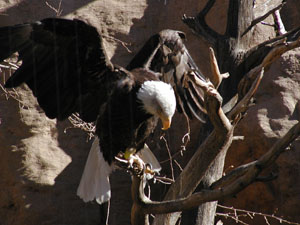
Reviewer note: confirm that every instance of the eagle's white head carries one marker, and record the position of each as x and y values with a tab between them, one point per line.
158	99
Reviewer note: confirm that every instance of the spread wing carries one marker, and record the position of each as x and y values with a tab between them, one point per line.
63	63
166	53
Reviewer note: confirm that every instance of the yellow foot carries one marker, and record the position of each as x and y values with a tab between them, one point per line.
129	152
135	163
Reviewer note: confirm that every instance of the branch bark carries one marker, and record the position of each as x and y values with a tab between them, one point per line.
263	55
199	25
261	18
217	142
231	46
227	186
234	55
217	77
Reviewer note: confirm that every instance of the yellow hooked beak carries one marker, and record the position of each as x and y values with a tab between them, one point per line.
166	122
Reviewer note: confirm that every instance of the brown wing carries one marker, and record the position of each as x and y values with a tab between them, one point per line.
63	63
166	53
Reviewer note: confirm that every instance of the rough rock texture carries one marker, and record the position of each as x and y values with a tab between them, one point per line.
275	112
41	164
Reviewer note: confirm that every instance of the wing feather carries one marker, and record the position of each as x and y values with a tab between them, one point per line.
64	64
172	59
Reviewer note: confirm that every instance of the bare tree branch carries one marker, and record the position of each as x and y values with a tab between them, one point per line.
246	213
249	176
207	8
217	77
219	140
138	216
290	36
265	54
242	105
232	183
279	26
58	11
199	26
261	18
262	8
232	175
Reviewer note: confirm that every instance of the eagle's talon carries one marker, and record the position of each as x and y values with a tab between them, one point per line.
136	164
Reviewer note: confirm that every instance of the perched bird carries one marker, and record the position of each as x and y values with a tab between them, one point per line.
65	65
166	53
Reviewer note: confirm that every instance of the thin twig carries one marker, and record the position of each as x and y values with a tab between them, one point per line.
77	122
163	180
170	157
226	215
251	214
57	10
124	44
185	139
243	104
217	77
177	163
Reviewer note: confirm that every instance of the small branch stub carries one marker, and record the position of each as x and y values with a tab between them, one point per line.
217	77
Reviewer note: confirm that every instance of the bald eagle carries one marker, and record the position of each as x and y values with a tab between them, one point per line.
65	65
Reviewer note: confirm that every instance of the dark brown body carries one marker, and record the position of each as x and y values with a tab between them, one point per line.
124	122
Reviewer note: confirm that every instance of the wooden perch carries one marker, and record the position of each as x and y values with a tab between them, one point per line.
219	140
227	186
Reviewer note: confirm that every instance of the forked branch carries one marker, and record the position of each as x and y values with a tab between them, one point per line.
267	52
219	140
239	179
199	25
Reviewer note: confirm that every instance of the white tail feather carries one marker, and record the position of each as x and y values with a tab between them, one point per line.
94	183
148	157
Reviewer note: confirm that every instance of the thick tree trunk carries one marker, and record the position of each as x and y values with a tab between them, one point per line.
237	54
232	46
206	212
230	49
231	53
